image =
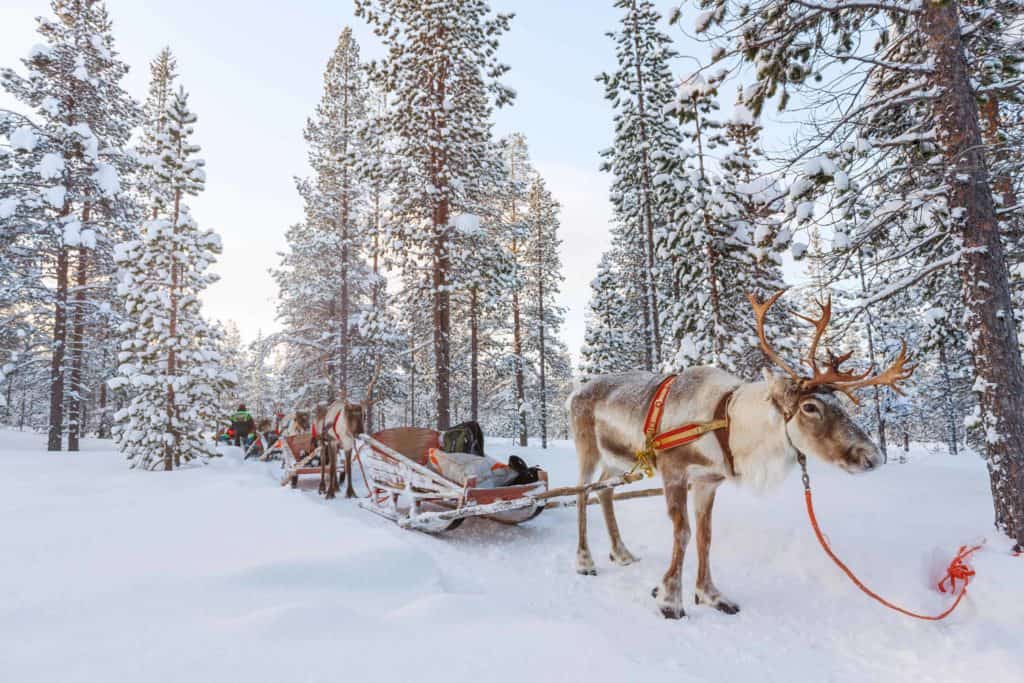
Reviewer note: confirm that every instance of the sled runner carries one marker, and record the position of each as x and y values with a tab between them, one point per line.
300	457
428	489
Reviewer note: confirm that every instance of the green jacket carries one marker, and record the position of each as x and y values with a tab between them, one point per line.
241	416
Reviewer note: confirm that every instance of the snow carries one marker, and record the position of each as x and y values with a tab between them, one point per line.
703	20
40	51
107	179
73	233
23	139
55	195
7	207
218	573
741	116
51	165
466	223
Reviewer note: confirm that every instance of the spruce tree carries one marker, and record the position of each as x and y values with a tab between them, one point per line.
171	370
64	190
441	74
640	90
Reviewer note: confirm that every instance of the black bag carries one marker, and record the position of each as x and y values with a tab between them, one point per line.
524	474
467	437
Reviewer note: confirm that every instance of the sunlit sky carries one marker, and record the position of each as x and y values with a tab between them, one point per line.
255	74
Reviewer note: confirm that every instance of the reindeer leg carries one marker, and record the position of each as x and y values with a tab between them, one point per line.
707	593
322	488
620	555
588	455
349	491
332	479
668	595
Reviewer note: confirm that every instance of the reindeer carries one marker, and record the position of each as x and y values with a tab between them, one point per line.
762	427
336	426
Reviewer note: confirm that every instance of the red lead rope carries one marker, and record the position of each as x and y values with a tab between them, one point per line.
957	570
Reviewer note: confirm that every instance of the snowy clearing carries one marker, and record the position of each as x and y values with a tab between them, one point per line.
218	573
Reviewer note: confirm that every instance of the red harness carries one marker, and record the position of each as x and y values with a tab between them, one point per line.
663	441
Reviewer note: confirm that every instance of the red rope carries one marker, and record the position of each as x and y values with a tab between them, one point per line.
957	570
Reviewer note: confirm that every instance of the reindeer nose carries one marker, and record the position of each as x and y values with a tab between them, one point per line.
869	457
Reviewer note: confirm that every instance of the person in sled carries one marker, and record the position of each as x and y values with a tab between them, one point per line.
242	425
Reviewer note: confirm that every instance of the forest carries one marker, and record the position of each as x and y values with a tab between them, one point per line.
428	260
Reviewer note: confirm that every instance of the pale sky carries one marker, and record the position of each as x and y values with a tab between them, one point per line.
255	75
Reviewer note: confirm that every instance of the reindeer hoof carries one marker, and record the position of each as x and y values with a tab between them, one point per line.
672	612
623	559
586	571
719	603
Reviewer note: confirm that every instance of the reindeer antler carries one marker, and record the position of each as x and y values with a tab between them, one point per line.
760	309
820	325
832	375
898	372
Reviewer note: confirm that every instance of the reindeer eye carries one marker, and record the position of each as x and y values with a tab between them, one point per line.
810	408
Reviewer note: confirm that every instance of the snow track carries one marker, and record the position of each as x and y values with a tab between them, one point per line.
220	574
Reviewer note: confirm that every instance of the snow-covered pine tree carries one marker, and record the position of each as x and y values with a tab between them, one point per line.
908	94
441	74
485	269
640	90
711	249
543	278
325	285
518	172
171	368
332	137
163	71
610	339
63	193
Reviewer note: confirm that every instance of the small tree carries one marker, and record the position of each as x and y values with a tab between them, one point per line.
171	369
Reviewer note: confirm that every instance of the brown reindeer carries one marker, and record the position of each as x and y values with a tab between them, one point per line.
336	427
763	427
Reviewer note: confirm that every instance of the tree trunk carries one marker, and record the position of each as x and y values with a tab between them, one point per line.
647	198
517	353
412	383
343	339
951	417
56	427
474	356
171	448
75	348
542	361
103	430
442	317
877	393
993	342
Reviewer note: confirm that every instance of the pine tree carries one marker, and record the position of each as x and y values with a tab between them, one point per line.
171	368
910	108
544	278
163	72
640	90
441	74
609	342
63	193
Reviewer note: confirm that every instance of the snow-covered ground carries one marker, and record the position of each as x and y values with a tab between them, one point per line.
219	574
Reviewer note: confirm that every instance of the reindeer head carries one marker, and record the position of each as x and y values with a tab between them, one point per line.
816	421
354	414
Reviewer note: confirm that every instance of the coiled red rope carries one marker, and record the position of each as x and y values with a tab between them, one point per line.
958	569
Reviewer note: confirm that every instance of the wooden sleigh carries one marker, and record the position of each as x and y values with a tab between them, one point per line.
298	455
405	490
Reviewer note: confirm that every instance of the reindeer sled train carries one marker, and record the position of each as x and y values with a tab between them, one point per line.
697	429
